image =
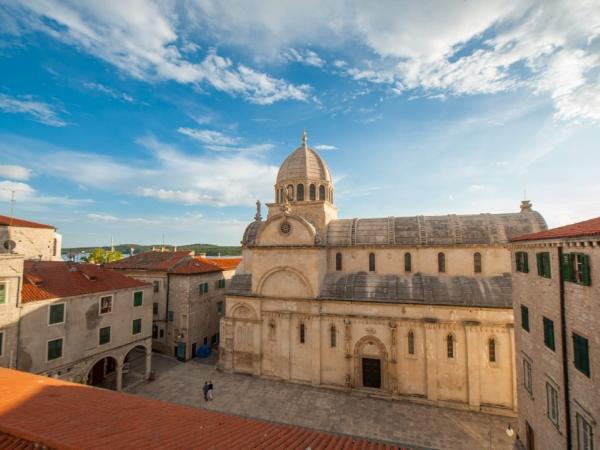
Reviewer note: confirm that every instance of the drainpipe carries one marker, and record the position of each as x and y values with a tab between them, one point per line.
565	358
167	311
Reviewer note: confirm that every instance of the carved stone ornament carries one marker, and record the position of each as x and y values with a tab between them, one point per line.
285	227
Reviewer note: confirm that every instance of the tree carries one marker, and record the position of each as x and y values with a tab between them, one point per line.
101	256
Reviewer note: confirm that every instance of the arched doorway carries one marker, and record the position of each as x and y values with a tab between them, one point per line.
134	366
104	373
370	364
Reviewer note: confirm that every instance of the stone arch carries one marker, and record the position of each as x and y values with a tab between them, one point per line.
243	311
102	371
302	231
290	276
370	347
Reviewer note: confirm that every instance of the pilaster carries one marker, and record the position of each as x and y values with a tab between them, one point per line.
431	357
473	350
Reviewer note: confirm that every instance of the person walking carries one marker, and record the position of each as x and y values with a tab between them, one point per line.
205	391
210	390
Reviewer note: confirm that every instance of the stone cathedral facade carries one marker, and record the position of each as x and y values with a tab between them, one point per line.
412	308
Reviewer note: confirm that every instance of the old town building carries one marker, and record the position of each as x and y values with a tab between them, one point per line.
556	289
77	322
30	239
187	297
415	307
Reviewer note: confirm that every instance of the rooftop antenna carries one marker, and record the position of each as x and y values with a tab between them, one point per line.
12	206
305	139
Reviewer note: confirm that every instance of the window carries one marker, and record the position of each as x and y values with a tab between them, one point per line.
220	308
106	304
585	434
543	264
450	346
549	333
338	261
527	383
300	193
156	285
407	262
171	316
138	299
576	268
104	336
581	352
525	317
203	288
1	342
154	332
492	350
522	262
321	192
290	192
161	333
333	336
55	349
2	293
312	192
477	262
411	342
371	262
441	262
552	403
302	333
220	283
136	326
56	314
155	309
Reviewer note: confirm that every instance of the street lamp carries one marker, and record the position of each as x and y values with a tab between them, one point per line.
509	431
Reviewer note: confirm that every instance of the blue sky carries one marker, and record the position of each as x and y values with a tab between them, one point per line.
138	119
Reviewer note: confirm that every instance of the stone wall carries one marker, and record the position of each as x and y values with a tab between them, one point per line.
11	276
34	243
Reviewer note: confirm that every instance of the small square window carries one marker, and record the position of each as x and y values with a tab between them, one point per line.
2	293
525	317
203	288
106	304
138	298
155	309
56	314
171	316
104	336
156	285
220	308
161	333
55	349
549	333
527	381
136	326
552	403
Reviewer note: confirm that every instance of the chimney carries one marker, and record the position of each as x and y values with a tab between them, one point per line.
526	206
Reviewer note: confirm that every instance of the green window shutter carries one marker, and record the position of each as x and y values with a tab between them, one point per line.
57	314
539	263
136	326
572	266
518	262
525	317
526	261
2	293
138	298
549	333
547	265
1	342
104	335
585	270
205	288
54	349
171	316
581	353
566	267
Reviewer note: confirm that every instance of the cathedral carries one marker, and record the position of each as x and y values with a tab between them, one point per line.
415	308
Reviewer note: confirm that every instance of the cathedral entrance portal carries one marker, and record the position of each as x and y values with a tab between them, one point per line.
371	372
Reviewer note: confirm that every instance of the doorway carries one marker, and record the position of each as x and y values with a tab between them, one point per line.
529	436
371	372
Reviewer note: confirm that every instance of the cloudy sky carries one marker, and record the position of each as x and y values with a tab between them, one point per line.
140	119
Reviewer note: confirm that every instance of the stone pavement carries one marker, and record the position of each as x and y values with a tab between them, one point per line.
403	423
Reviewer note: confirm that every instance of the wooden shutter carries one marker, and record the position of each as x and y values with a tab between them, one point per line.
540	267
567	267
525	262
580	349
585	270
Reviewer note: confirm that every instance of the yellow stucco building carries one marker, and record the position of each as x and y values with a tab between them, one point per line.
404	307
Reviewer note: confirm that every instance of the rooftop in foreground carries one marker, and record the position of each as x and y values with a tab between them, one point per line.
586	228
58	414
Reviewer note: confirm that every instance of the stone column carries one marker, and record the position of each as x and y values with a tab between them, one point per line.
473	350
431	343
315	337
148	363
257	357
393	368
227	344
285	343
119	376
348	351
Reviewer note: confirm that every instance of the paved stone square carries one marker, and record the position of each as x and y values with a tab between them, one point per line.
402	423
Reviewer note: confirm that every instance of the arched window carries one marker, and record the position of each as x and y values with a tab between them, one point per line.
477	262
302	333
331	195
411	342
280	195
312	190
300	193
407	262
371	262
290	192
321	192
492	350
441	262
338	261
333	336
450	345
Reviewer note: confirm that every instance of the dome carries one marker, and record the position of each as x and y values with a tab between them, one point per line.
304	164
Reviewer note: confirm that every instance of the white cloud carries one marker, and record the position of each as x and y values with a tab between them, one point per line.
307	57
325	147
141	38
41	112
19	173
27	195
95	217
108	91
208	137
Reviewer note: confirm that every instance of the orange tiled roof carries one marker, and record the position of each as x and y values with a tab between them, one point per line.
205	265
586	228
43	280
226	263
151	261
71	416
14	222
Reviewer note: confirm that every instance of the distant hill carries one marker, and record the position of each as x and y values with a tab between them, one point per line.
209	249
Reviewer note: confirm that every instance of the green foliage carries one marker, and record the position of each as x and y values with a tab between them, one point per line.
101	256
125	249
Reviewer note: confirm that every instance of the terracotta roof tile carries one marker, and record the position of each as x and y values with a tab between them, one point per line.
14	222
205	265
226	263
151	260
108	419
580	229
43	280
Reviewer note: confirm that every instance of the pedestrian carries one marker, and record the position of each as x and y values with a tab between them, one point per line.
205	391
210	390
